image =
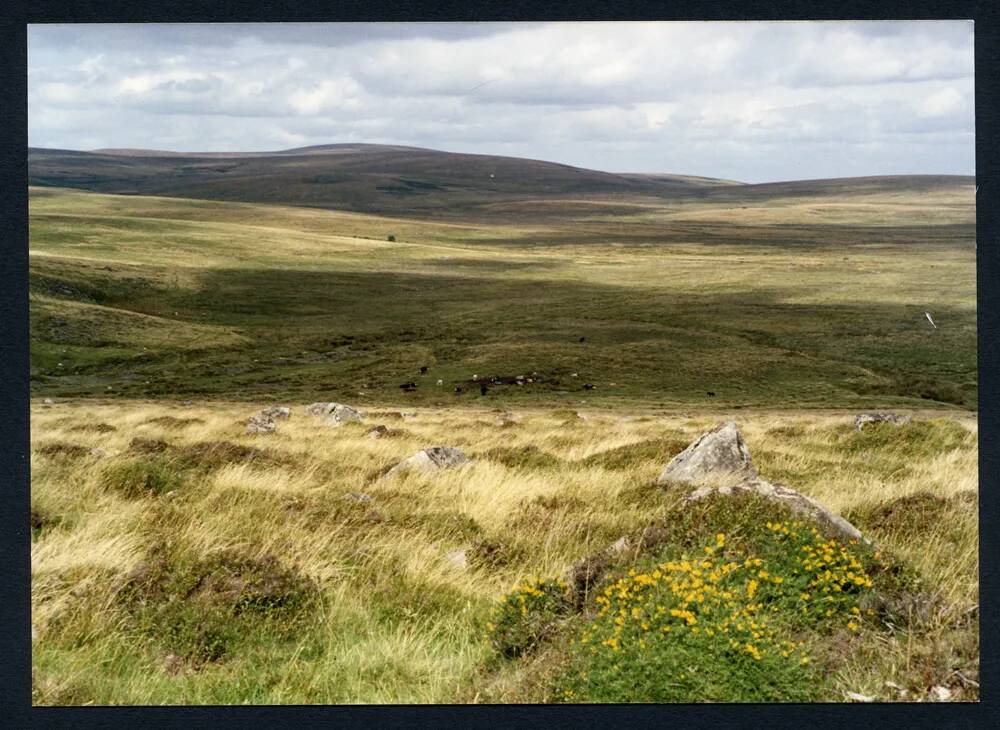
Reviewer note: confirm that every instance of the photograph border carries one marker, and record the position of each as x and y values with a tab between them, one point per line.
15	643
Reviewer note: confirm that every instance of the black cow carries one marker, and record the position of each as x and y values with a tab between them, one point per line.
423	369
582	339
458	388
589	386
711	394
483	390
409	386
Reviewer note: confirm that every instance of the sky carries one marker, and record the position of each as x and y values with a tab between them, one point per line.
749	101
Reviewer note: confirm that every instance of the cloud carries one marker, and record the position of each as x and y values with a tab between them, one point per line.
748	101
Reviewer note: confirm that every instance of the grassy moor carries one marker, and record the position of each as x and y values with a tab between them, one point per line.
569	332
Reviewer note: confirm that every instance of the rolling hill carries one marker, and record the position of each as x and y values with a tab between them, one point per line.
364	178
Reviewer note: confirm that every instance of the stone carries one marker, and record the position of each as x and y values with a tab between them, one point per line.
863	419
718	453
48	401
261	424
277	412
377	432
428	460
858	697
940	693
358	497
334	414
799	504
621	545
458	558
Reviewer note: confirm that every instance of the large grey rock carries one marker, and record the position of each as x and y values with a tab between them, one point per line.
863	419
334	414
431	459
718	453
799	504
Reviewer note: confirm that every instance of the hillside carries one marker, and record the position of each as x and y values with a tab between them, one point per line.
366	178
814	302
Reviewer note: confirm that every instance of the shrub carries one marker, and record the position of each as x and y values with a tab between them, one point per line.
523	457
141	477
719	626
209	455
391	238
201	608
527	616
630	456
59	449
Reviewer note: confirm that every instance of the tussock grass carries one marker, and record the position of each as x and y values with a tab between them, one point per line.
394	615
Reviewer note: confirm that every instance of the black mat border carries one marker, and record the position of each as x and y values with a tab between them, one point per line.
15	709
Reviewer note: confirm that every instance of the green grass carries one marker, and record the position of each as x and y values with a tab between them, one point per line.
193	563
198	303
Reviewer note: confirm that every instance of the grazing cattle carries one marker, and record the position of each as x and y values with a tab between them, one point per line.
711	394
423	369
582	339
589	386
409	386
458	388
440	382
483	390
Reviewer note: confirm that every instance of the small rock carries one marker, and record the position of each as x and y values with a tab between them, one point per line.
717	453
48	401
940	693
261	424
855	697
458	558
277	412
98	452
431	459
334	414
358	497
863	419
377	432
621	545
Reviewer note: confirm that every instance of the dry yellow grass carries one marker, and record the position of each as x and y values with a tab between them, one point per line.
545	517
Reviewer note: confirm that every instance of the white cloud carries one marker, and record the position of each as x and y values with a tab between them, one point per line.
740	100
942	103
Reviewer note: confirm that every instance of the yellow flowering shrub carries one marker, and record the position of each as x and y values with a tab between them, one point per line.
719	624
527	615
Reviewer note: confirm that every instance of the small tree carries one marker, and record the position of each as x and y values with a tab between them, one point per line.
391	238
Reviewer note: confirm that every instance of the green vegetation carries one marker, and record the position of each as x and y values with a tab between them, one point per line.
177	559
257	578
156	297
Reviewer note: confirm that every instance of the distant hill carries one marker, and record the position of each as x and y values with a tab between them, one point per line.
399	180
361	177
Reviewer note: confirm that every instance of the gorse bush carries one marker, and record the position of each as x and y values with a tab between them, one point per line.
718	626
528	615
